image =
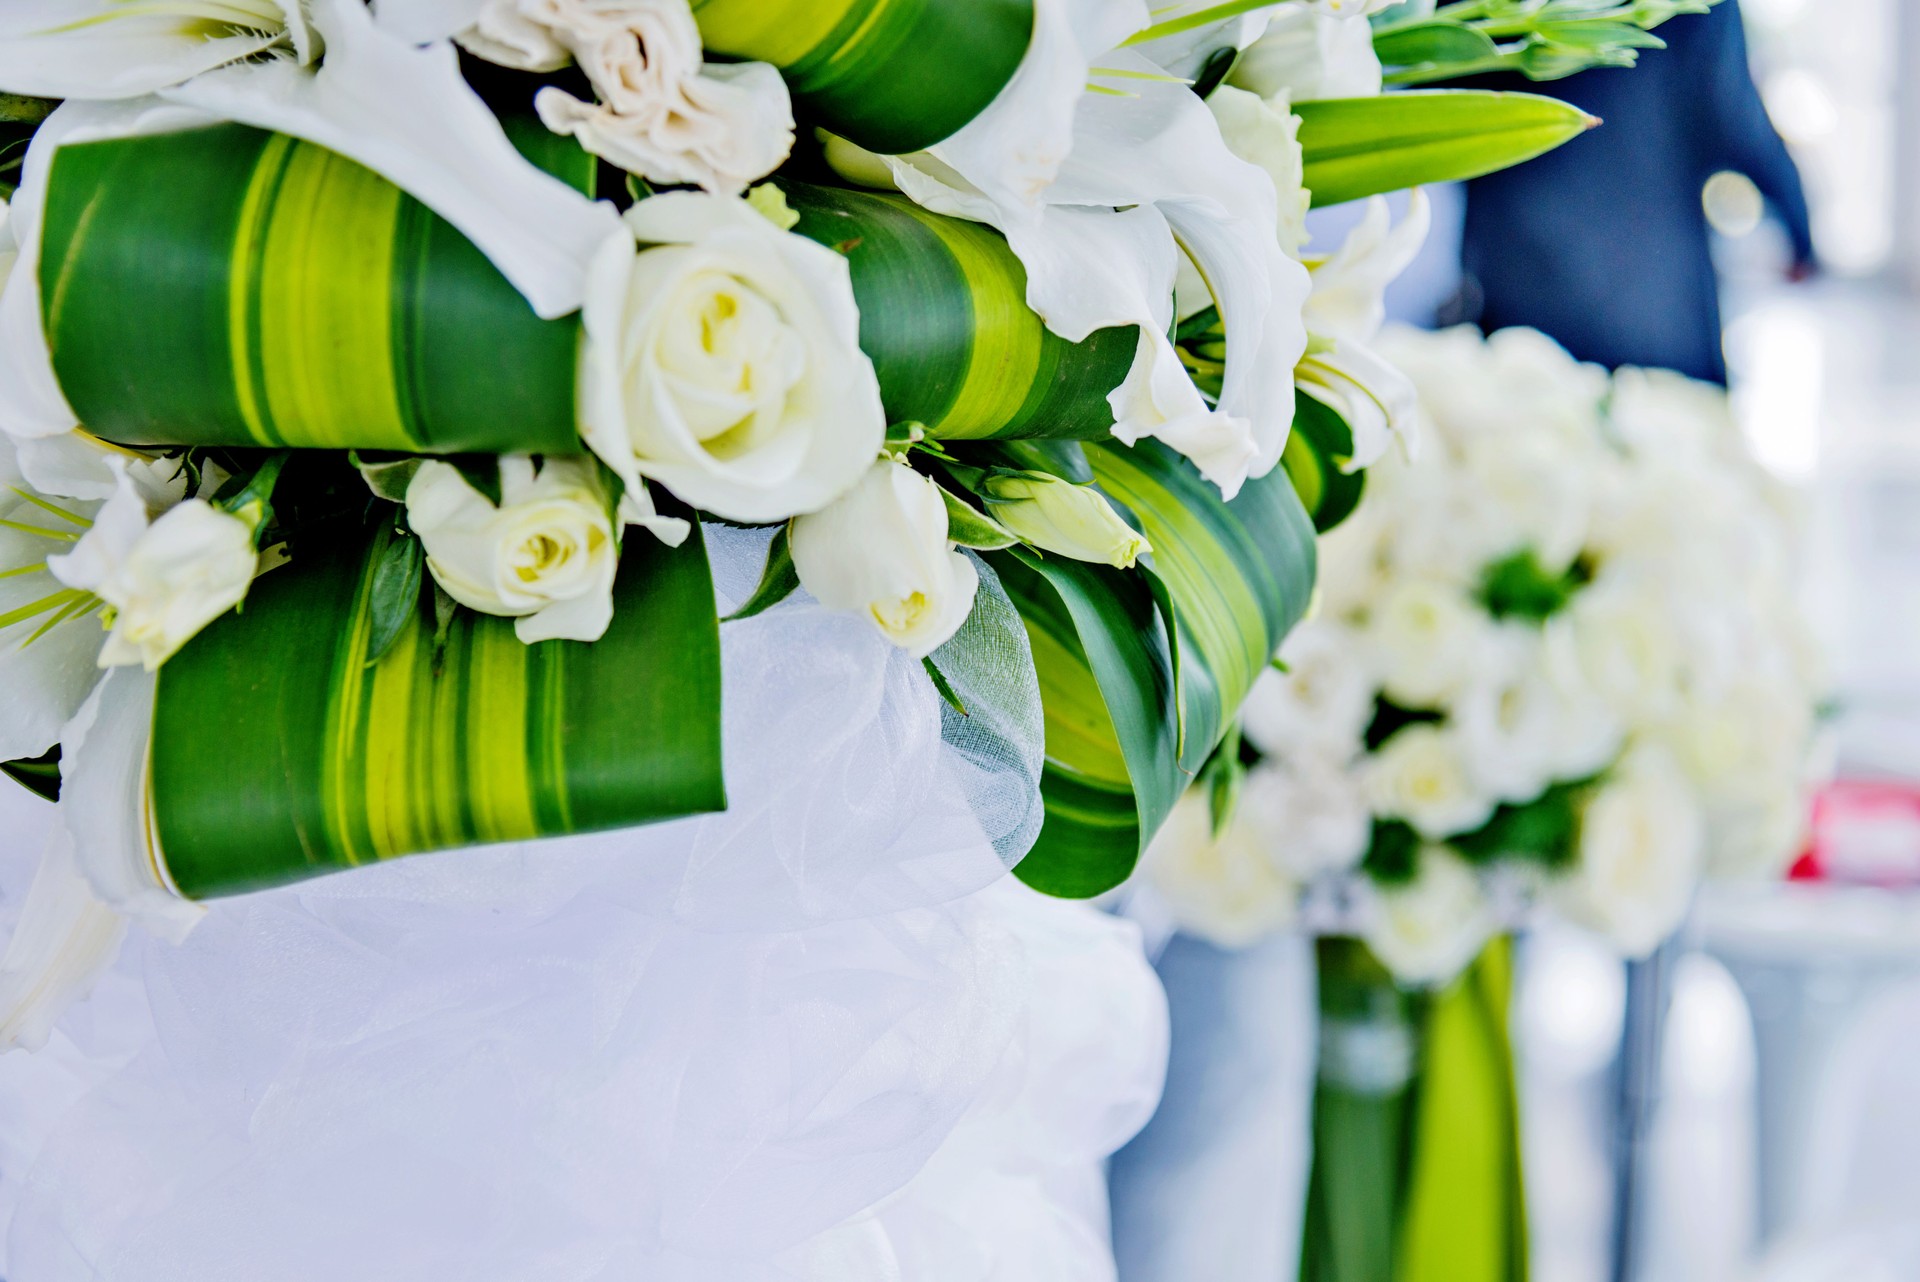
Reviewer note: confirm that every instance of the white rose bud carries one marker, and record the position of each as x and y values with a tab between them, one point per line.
725	362
1641	850
1061	517
165	578
1428	930
1426	636
1421	775
545	557
882	550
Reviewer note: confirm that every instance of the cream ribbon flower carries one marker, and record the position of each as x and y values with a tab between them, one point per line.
724	361
882	550
662	112
546	557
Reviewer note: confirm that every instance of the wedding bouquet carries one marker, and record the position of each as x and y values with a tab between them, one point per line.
370	377
1558	659
1557	662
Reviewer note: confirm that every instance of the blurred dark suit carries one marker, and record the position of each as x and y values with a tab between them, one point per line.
1603	244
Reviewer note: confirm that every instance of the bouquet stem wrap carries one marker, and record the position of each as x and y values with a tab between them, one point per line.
1416	1138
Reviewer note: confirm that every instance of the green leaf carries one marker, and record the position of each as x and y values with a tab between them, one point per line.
971	528
1544	831
1317	450
393	595
230	287
892	75
1106	673
20	109
279	753
482	472
945	687
1519	587
778	581
944	316
38	775
1357	147
387	477
1141	674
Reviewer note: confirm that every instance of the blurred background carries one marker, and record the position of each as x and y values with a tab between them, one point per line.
1778	1129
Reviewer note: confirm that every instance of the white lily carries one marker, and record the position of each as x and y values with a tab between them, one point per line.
1344	313
50	633
320	70
1100	179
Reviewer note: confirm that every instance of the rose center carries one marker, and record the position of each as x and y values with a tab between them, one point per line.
901	615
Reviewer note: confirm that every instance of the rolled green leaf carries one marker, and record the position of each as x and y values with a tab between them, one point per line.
227	286
943	314
1317	449
40	776
1133	710
892	75
1357	147
280	752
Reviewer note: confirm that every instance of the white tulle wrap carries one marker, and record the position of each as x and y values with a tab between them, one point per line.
818	1037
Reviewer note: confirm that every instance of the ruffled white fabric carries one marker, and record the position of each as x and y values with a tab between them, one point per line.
482	1065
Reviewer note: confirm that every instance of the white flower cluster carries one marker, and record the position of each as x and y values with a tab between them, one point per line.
1578	604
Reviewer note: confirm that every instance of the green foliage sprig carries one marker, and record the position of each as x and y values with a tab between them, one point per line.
1539	39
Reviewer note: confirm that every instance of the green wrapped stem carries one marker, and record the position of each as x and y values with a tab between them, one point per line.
944	315
1142	672
1416	1131
228	286
892	75
280	752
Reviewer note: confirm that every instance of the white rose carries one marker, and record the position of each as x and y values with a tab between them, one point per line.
1227	889
1641	848
882	550
165	578
662	112
1425	636
1322	704
1317	811
1428	930
1760	837
1312	53
1420	775
546	557
725	362
1624	630
1506	718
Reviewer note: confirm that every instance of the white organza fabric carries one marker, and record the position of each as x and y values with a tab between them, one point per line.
719	1050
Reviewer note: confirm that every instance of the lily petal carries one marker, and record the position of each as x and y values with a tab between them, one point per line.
425	21
1349	288
64	49
64	941
405	112
105	804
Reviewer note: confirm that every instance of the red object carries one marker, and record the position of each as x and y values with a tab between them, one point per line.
1864	833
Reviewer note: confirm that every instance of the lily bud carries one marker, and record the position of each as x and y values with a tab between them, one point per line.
1061	517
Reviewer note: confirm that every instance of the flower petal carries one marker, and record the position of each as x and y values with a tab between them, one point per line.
64	941
64	49
405	113
105	804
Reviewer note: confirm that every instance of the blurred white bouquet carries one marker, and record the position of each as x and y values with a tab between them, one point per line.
1557	660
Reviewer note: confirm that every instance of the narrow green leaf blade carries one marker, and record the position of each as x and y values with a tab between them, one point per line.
778	581
393	597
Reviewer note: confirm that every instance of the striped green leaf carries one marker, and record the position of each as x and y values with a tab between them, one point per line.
943	314
892	75
228	286
1133	710
280	752
1357	147
40	776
